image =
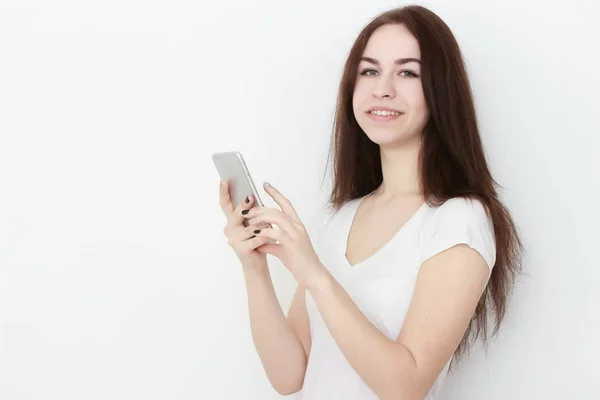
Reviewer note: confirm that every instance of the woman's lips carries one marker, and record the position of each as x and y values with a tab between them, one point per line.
382	118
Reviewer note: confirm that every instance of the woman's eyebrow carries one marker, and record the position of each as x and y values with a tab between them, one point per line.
399	61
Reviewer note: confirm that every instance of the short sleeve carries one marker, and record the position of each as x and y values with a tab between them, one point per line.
460	221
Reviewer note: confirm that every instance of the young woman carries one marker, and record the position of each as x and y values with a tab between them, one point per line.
419	251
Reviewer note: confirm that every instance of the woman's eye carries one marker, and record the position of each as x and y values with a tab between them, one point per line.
365	72
406	73
410	73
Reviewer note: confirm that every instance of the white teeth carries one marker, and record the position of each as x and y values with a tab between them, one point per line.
385	113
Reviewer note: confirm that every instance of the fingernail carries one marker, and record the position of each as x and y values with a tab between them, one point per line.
247	199
268	184
245	212
257	231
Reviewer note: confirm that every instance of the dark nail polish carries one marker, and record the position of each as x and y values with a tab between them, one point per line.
252	237
245	212
257	231
247	200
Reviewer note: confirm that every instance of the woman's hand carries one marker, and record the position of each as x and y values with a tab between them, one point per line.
294	249
241	238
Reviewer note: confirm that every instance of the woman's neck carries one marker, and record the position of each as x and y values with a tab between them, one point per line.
400	169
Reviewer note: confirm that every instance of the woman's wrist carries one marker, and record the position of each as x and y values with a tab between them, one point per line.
321	281
256	272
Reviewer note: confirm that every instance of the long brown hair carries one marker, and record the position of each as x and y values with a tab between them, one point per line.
452	162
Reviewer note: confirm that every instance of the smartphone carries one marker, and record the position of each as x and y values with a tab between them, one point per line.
233	170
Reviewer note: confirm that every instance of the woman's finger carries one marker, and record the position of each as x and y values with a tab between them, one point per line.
253	221
245	233
272	216
272	234
286	206
254	242
225	199
236	218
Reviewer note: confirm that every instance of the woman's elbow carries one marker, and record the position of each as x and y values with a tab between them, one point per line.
401	388
398	392
286	384
287	388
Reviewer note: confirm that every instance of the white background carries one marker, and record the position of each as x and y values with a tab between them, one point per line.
116	281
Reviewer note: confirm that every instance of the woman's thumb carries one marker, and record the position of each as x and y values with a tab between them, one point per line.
273	249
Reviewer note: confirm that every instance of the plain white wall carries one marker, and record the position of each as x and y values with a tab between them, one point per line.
115	279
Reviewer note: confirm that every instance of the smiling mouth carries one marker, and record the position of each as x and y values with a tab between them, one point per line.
384	116
383	113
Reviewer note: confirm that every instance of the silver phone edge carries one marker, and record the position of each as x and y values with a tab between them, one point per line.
249	177
247	172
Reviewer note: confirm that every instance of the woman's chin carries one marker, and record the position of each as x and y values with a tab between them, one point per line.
389	139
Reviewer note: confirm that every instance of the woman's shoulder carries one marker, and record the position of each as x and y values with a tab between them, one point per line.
332	218
333	215
457	207
459	220
455	214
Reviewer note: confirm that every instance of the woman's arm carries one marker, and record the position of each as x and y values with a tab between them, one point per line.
446	294
282	344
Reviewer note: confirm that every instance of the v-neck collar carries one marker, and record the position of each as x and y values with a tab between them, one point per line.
348	227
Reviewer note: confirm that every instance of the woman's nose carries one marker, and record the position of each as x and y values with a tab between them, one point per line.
384	88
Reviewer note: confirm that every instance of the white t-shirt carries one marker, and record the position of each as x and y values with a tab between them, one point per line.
382	285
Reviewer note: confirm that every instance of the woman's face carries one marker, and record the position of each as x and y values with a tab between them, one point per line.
389	76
